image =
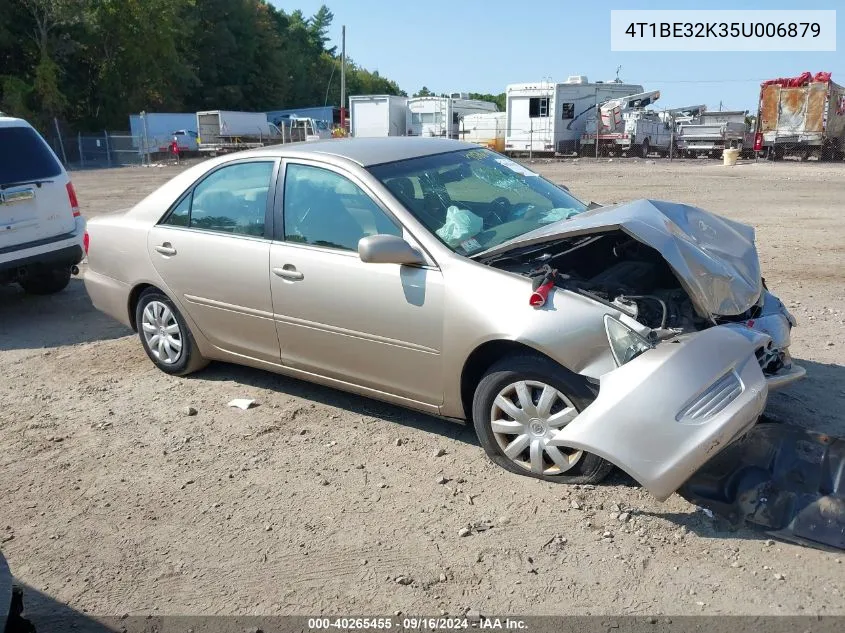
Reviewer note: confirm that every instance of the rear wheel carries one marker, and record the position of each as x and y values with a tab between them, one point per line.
519	405
165	335
46	281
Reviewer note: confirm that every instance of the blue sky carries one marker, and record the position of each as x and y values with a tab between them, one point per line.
483	45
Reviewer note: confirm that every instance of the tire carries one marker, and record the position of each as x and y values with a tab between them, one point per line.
46	281
538	373
644	149
180	361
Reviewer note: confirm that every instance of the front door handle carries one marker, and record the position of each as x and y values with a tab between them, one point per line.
288	272
166	249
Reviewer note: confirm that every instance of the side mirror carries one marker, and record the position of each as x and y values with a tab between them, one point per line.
387	249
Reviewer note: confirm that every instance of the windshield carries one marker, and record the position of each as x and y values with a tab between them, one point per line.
476	199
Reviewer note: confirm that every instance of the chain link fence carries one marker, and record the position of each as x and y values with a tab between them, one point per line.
109	149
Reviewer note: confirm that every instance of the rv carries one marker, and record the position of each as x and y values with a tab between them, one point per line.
549	118
441	116
486	129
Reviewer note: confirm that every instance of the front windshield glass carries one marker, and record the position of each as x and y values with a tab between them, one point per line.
476	199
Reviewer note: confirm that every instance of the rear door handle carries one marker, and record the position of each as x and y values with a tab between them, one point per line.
166	249
288	272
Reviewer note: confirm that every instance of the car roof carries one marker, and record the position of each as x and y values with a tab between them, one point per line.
9	121
369	151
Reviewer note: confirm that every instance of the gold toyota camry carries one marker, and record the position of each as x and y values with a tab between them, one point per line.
447	278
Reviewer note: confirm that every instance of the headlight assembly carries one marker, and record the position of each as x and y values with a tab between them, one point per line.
625	344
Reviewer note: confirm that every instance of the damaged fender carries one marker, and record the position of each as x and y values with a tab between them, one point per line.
661	416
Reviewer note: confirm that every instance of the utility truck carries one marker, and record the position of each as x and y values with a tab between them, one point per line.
712	132
623	126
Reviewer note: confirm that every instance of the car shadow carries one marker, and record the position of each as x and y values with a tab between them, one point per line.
815	403
65	318
45	614
359	405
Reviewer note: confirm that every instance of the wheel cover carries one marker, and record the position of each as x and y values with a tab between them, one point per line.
525	415
162	333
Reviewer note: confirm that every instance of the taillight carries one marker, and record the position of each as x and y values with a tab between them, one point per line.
74	203
86	241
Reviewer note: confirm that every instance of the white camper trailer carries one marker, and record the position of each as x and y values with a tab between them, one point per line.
441	116
486	129
377	115
547	118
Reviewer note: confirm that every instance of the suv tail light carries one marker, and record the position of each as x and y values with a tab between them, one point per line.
74	203
86	241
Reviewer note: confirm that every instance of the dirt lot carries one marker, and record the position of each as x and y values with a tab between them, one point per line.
114	501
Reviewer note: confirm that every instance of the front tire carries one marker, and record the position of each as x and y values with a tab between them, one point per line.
47	281
165	335
518	406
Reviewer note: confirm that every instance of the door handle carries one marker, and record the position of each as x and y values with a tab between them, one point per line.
166	249
288	272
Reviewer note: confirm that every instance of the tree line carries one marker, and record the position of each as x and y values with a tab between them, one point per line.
90	63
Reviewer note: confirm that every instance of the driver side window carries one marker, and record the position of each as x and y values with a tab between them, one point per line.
326	209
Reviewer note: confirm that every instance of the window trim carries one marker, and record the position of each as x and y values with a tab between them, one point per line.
268	211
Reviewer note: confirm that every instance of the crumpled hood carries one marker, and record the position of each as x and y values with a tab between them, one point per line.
713	257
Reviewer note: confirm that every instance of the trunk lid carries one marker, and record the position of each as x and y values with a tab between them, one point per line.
34	199
714	258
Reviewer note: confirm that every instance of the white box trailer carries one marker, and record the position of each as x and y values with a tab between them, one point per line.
486	129
377	115
441	116
549	118
227	130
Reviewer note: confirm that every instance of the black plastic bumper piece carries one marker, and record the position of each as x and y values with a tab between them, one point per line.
67	256
782	478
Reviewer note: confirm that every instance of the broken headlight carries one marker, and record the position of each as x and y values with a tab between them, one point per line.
625	344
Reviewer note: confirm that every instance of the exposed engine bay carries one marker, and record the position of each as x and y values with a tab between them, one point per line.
618	270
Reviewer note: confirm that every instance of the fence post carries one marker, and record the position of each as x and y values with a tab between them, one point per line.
79	143
61	142
108	149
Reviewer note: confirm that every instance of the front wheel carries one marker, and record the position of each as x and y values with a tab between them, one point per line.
165	335
519	405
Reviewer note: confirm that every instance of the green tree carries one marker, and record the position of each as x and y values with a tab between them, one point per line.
424	92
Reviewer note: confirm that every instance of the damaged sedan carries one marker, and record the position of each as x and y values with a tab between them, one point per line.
449	279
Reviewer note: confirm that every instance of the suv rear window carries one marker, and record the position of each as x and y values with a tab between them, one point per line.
24	156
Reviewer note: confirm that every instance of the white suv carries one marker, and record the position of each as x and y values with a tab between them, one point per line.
42	234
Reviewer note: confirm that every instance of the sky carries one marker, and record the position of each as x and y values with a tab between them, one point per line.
483	45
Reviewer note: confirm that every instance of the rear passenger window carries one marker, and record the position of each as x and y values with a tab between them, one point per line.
233	199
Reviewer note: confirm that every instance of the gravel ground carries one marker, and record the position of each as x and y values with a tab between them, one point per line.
116	501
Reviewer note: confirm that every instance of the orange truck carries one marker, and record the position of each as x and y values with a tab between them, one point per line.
802	116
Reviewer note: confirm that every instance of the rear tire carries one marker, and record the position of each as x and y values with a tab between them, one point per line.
46	281
165	335
502	437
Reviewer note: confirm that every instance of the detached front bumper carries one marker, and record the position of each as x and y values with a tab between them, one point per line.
661	416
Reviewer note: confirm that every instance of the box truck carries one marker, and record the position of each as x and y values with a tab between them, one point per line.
802	116
377	115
